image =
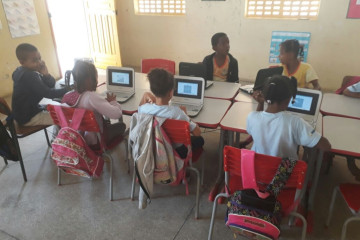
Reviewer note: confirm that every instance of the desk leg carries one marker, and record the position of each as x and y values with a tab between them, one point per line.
313	190
214	191
231	138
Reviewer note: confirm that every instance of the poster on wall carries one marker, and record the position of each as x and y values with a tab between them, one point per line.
278	37
354	9
21	17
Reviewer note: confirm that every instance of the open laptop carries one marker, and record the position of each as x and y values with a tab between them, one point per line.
306	105
261	77
121	82
189	92
194	70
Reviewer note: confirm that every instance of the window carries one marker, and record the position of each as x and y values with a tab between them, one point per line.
282	9
160	7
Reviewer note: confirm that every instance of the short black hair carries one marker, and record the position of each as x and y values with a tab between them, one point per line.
279	88
161	82
216	38
82	71
291	45
23	49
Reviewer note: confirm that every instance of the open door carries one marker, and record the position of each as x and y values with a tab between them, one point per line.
102	30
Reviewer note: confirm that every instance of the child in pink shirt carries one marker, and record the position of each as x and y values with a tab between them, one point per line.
84	96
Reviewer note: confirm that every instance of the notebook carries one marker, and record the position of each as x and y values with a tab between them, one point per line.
189	92
306	105
121	82
194	70
261	77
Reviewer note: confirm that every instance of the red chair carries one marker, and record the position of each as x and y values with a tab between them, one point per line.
148	64
89	124
265	169
351	194
179	132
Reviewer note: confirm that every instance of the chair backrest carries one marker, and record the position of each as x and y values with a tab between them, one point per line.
148	64
265	169
4	107
88	122
178	131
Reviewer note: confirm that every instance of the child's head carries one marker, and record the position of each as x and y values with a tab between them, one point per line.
161	83
289	50
220	43
28	56
280	89
85	76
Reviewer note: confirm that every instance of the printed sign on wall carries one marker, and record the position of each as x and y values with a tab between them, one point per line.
278	37
354	9
21	17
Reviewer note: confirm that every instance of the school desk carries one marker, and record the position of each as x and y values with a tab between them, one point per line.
233	121
222	90
340	105
244	97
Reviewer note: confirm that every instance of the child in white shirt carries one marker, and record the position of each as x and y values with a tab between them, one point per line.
276	132
353	90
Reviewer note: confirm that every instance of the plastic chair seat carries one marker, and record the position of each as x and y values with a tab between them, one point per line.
351	194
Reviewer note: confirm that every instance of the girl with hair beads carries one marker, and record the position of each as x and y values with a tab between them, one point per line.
276	132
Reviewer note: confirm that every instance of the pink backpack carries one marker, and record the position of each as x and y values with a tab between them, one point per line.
70	152
253	213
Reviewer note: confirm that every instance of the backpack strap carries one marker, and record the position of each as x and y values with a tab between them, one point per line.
248	172
61	116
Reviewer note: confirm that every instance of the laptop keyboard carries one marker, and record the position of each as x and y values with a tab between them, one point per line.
191	110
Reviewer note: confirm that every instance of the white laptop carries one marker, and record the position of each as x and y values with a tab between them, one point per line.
121	82
189	92
306	105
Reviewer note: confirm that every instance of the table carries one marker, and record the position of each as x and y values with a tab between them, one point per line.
222	90
244	97
340	105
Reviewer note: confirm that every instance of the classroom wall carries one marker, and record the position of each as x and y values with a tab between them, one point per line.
43	41
333	52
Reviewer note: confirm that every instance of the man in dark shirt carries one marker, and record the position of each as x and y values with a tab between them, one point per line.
32	82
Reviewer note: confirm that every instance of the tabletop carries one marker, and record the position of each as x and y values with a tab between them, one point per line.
222	90
340	105
343	134
235	118
244	97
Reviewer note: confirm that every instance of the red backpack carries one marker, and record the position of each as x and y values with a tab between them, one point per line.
70	152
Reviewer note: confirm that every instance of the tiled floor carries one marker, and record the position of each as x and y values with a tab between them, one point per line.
80	209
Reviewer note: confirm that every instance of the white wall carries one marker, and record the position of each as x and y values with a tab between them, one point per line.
333	52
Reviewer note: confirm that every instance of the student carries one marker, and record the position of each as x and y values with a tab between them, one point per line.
221	65
157	103
293	67
84	96
353	90
32	82
276	132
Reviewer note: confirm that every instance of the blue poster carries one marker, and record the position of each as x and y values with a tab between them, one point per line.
278	37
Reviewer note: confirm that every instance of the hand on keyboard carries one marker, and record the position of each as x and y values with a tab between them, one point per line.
183	108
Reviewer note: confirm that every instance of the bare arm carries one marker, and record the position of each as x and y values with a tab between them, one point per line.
323	144
258	96
351	94
196	131
148	97
316	84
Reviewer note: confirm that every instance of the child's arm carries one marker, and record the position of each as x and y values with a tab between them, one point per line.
258	96
196	131
316	84
348	93
148	97
323	144
47	78
108	107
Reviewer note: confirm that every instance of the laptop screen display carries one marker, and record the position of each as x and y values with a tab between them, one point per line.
120	77
188	88
305	102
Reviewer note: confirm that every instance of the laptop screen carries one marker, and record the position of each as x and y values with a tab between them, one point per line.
120	77
305	102
188	88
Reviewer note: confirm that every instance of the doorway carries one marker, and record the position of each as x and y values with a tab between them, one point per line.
70	31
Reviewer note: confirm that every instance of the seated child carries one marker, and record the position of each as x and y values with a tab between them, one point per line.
353	90
276	132
221	65
162	86
293	67
84	96
32	82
